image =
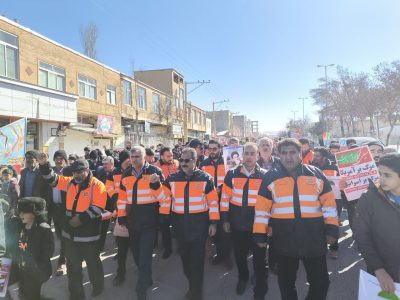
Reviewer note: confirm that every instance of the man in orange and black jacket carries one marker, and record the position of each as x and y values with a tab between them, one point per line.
86	199
138	204
214	165
168	166
239	194
191	196
296	206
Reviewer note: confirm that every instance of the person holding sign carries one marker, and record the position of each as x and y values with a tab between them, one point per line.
376	222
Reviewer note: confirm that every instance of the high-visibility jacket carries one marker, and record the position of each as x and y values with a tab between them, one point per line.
216	169
193	202
301	211
138	199
86	200
329	168
239	195
308	157
166	168
112	185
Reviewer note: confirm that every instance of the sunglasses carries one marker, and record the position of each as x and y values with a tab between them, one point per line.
187	160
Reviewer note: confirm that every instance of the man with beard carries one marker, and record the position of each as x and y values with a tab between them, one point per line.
199	147
168	166
215	167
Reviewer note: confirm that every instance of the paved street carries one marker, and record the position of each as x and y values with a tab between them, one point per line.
170	283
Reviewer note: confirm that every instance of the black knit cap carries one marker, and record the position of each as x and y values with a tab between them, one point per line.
123	156
35	205
60	153
79	165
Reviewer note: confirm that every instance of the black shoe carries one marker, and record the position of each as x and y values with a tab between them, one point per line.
241	287
216	260
167	254
118	280
97	291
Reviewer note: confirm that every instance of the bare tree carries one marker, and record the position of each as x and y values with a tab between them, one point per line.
89	35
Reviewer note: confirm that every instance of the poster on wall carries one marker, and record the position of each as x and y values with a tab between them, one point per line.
357	167
104	124
233	156
13	143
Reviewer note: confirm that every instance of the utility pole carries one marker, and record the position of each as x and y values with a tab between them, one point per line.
303	98
294	115
185	105
326	77
213	111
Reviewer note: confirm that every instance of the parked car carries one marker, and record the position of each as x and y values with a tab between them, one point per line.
360	140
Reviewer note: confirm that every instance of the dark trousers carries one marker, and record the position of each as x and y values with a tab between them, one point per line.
103	234
339	208
123	247
242	244
76	252
58	216
141	243
351	210
317	276
30	284
166	236
223	243
192	255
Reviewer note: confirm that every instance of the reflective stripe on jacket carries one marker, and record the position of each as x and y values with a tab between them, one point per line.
239	195
138	199
301	211
192	195
216	169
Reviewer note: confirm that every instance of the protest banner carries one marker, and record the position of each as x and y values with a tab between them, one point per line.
357	167
369	288
13	143
233	156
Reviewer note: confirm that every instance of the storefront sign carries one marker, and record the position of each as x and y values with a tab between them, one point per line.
104	124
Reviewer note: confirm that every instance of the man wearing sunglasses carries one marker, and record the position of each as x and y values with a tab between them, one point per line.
191	195
215	167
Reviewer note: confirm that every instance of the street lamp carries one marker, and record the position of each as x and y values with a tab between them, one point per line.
326	77
303	98
294	115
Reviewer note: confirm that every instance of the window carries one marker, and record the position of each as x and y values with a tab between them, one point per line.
127	92
111	98
181	97
141	98
204	120
168	106
8	55
51	76
193	117
87	87
177	104
176	78
156	103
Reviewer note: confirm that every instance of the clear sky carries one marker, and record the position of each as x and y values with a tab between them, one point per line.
259	54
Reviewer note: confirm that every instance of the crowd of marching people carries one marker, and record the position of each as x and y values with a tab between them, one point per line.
276	204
